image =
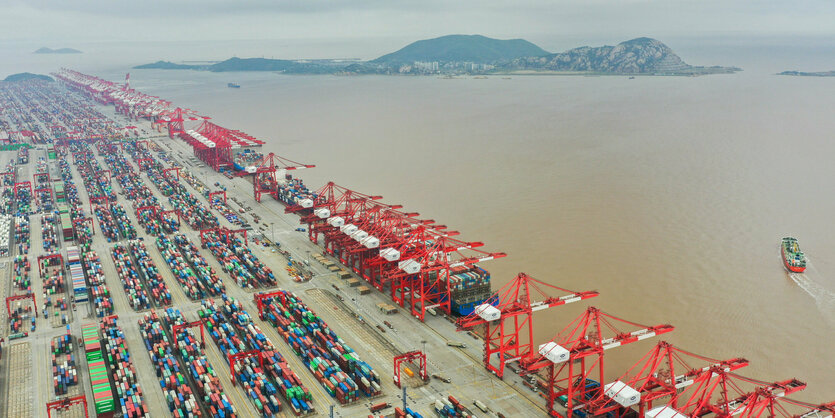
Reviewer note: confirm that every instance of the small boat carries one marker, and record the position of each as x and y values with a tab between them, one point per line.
793	258
233	86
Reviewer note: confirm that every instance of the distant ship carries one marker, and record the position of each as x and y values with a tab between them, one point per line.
233	85
793	258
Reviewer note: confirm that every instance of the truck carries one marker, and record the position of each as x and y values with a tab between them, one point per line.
456	344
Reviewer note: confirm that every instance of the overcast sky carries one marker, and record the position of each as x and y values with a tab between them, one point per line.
554	24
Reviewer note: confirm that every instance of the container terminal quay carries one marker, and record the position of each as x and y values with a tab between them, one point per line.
156	263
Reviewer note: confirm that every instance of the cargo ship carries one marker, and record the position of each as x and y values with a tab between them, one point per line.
233	86
469	287
793	258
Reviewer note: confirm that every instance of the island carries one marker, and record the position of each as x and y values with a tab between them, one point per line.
809	74
479	55
27	77
46	50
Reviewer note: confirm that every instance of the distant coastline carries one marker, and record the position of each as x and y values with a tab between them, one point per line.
480	55
809	74
46	50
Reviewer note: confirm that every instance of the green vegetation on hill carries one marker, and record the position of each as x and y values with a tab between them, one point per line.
462	48
27	76
46	50
476	54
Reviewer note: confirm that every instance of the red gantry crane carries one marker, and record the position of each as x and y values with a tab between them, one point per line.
412	258
660	374
567	362
773	405
724	394
265	179
509	324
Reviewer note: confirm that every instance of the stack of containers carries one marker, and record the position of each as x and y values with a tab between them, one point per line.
229	261
202	269
53	283
261	272
102	390
147	268
170	223
259	388
21	233
79	285
233	330
221	206
65	219
128	274
155	174
178	394
337	367
21	273
102	301
23	201
201	370
5	227
49	233
194	288
64	373
146	218
125	227
293	190
106	223
43	200
121	369
60	195
195	214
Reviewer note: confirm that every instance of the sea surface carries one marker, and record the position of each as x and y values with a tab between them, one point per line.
669	195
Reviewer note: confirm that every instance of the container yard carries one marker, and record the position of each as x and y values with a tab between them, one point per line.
213	317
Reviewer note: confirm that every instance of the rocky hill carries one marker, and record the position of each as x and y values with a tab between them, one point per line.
636	56
462	48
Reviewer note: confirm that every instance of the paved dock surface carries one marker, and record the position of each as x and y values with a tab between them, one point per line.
354	318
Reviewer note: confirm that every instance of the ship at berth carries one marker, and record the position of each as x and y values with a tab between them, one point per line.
793	258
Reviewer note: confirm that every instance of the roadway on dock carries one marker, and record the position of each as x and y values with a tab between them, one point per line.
469	379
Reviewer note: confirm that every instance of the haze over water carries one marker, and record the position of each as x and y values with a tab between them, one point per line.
669	195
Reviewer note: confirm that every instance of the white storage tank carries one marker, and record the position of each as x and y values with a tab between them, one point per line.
554	352
390	254
488	312
663	412
409	266
621	393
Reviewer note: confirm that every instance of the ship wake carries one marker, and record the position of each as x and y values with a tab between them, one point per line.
824	298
